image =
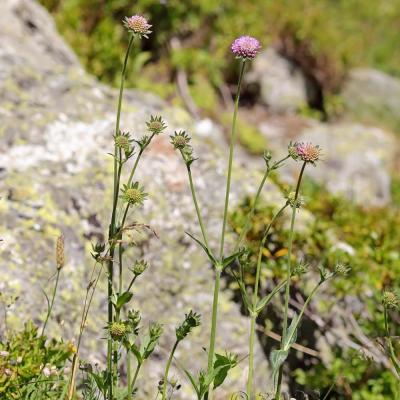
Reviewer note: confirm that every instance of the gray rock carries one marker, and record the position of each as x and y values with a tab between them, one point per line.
57	126
357	159
282	84
373	97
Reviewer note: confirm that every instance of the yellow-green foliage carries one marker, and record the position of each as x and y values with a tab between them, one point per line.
325	37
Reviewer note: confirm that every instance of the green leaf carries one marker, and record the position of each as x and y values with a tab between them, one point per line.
278	357
245	297
123	299
210	256
228	260
193	382
291	334
136	352
223	364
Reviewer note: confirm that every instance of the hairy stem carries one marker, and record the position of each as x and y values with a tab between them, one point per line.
288	274
231	147
199	217
128	374
211	349
165	381
250	214
253	317
136	375
112	224
392	354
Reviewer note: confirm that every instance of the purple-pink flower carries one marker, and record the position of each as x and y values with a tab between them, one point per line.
305	151
246	47
138	25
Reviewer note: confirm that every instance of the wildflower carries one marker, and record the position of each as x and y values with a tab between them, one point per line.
191	321
293	201
342	269
390	299
133	194
4	353
138	25
300	269
117	330
246	47
139	267
305	151
60	256
123	141
156	125
180	140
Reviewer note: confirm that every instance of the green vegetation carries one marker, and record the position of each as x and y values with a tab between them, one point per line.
32	366
374	256
325	37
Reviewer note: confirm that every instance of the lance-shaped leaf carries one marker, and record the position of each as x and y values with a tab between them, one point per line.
123	299
228	260
193	382
264	301
209	255
278	357
245	296
291	334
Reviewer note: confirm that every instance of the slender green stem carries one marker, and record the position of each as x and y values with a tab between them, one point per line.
131	283
112	224
289	273
218	269
165	381
250	214
231	147
50	307
253	316
129	373
199	217
392	354
211	350
136	375
85	311
249	389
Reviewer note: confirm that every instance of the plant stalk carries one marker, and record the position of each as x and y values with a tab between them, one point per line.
50	308
289	273
165	381
112	224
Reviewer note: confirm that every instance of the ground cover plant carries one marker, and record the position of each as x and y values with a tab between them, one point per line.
48	369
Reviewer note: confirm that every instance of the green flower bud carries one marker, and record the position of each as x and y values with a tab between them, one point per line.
390	299
117	330
140	267
191	321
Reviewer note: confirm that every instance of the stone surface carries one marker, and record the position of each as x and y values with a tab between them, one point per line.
282	84
357	160
373	96
56	130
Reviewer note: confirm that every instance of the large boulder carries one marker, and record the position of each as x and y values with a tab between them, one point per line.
56	130
372	96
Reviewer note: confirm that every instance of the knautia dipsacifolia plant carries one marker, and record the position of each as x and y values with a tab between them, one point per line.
122	329
245	49
128	347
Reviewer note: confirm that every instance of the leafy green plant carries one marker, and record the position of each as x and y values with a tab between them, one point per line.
32	366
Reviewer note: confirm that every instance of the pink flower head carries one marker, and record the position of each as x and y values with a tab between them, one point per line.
307	152
246	47
138	25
